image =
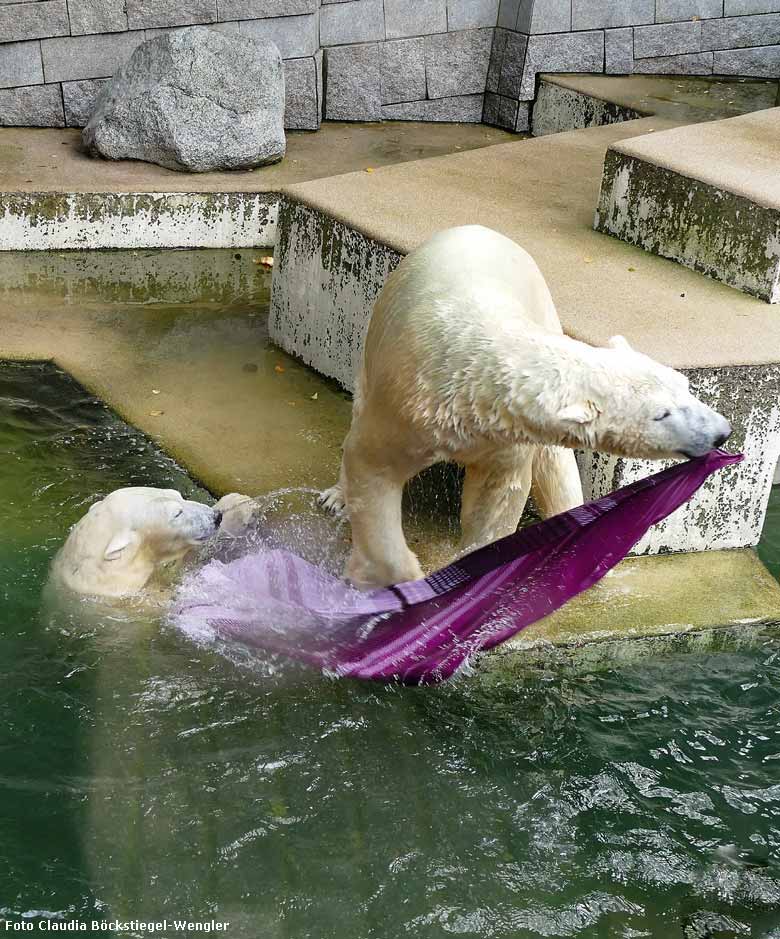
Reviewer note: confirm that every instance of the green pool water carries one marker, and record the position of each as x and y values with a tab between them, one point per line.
142	778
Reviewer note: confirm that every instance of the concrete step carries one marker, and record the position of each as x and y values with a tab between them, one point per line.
706	195
654	597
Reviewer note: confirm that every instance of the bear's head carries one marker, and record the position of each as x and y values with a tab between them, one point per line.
125	538
632	406
160	522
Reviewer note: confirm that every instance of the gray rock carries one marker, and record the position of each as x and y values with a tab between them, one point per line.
20	64
194	100
457	63
354	83
34	106
97	16
80	99
222	27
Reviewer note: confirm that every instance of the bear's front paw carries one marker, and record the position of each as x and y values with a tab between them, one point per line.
333	500
237	513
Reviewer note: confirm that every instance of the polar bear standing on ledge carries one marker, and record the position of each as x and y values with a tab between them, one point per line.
465	360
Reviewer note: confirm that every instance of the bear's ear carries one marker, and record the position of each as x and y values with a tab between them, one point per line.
118	545
619	342
583	412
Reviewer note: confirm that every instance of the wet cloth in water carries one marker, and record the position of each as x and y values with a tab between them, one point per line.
421	632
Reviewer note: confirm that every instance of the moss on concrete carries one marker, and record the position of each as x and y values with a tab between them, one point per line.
716	232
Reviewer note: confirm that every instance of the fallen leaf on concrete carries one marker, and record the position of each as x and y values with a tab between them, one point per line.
155	391
315	396
278	368
632	270
156	413
588	260
267	261
369	169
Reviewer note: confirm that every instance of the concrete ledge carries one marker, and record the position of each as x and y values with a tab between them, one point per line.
326	278
558	109
55	221
707	196
694	595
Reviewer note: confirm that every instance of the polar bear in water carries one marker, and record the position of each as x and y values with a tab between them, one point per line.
465	360
124	540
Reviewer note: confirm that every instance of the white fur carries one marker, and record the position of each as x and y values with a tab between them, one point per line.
130	536
465	360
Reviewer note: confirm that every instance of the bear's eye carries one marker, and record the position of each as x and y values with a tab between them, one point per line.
662	417
178	513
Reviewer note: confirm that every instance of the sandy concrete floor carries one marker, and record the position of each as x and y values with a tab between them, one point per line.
542	193
686	100
46	160
660	595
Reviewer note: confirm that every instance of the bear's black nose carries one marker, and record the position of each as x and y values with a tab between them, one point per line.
217	518
722	439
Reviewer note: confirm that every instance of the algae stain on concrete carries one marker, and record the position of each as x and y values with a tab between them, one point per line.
714	232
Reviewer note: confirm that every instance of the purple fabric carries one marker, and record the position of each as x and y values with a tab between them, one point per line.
421	632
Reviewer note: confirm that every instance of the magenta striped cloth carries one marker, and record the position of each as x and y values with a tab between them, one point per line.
421	632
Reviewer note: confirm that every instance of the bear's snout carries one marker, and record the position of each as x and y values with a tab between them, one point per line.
723	437
706	430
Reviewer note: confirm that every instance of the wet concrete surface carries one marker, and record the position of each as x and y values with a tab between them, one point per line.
54	160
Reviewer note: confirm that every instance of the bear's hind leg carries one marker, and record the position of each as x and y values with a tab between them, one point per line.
556	481
495	491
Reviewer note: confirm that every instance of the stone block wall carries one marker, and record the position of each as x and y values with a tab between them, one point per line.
624	37
430	60
55	55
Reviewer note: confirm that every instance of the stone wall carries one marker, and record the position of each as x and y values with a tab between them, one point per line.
623	37
431	60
